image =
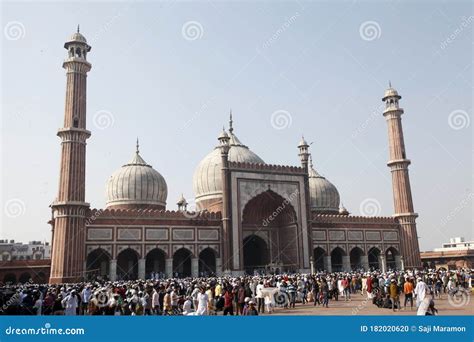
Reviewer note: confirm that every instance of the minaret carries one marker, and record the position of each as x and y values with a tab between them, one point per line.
226	207
398	164
305	156
69	209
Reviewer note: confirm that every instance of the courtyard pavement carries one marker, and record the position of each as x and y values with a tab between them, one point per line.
359	305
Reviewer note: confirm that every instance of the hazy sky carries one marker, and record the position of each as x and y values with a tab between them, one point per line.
168	72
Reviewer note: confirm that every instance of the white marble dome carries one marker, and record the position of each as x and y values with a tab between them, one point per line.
136	185
324	197
207	178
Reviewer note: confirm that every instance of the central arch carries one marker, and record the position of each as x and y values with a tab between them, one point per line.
255	253
127	264
273	216
182	263
97	264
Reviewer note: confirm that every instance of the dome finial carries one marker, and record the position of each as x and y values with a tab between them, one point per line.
138	146
77	28
310	161
389	84
231	129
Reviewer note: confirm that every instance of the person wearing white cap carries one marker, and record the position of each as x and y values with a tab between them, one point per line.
251	310
70	304
420	291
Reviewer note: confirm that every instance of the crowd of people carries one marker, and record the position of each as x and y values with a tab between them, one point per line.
244	295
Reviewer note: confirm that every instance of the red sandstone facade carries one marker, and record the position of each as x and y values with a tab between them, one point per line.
252	216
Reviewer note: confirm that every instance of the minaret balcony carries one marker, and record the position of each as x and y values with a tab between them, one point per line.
73	134
392	112
398	164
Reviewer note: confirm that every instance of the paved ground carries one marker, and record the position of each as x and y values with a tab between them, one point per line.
360	306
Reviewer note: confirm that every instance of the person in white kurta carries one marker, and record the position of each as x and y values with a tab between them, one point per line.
364	286
187	307
70	304
202	299
420	291
340	288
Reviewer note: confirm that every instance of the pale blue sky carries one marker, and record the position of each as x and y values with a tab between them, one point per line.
307	58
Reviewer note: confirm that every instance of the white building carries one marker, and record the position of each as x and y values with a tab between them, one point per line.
456	243
33	250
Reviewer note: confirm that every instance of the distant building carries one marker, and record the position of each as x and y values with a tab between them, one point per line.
33	250
24	262
457	253
456	243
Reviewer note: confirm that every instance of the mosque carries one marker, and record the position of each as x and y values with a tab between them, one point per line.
250	216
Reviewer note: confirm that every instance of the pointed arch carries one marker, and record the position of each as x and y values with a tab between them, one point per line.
182	262
97	263
207	262
127	264
337	255
373	256
155	262
318	258
391	255
355	256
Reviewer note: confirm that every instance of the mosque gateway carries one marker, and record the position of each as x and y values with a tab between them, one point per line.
251	216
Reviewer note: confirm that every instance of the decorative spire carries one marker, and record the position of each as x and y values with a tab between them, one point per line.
389	84
231	129
138	147
77	28
310	161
